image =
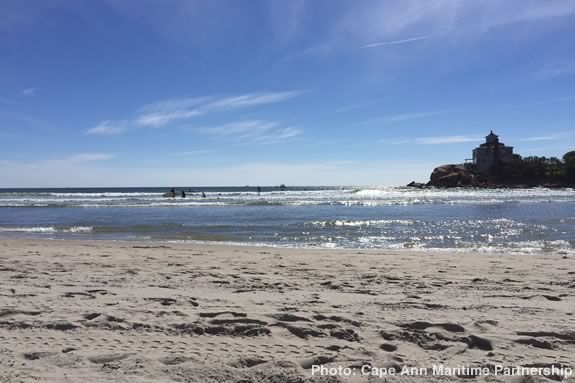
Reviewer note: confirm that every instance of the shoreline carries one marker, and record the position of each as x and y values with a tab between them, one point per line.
144	311
462	251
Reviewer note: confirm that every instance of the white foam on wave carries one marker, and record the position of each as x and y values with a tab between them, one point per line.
78	229
380	222
102	194
47	229
369	197
28	229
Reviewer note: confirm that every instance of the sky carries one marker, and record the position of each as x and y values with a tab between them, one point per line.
295	92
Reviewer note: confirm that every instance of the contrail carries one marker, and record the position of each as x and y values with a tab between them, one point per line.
397	42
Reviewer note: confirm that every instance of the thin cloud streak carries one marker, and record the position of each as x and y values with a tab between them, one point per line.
386	21
192	153
162	113
161	119
446	140
404	41
391	21
253	99
87	157
165	112
550	137
253	131
397	141
109	128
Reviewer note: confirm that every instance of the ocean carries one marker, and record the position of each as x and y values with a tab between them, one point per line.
514	220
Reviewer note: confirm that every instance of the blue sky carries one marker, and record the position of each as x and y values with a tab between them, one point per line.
332	92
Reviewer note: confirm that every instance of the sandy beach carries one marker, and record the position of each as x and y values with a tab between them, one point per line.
96	311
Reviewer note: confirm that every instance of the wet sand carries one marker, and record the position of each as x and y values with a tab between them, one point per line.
88	311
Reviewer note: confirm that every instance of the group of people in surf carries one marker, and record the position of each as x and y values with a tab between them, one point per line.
173	192
182	193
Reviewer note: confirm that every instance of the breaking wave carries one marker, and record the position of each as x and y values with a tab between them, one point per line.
47	229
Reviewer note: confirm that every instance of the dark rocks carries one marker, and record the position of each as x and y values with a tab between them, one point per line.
449	176
286	317
251	330
474	341
61	325
388	347
302	332
418	185
519	173
345	334
536	343
91	316
421	325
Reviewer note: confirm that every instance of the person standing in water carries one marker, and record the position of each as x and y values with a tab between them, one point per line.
183	194
203	195
259	190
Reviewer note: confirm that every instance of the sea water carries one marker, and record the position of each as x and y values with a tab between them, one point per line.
515	220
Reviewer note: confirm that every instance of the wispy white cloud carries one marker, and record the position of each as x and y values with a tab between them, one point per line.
87	157
192	153
165	112
29	92
161	119
252	99
109	128
175	104
397	141
434	140
440	140
398	20
253	131
396	42
161	113
549	137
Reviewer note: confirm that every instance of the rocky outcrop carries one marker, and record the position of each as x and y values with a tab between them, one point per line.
449	176
517	173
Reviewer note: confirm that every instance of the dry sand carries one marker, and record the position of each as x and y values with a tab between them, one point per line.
157	312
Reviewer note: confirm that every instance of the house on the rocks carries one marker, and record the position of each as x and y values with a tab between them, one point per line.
491	153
